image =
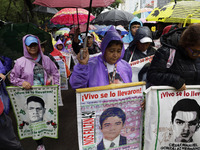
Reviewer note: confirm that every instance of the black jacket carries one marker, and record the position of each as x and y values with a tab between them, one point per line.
183	69
92	50
137	54
132	49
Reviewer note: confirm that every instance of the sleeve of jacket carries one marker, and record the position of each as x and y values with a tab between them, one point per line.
158	74
2	68
15	75
80	76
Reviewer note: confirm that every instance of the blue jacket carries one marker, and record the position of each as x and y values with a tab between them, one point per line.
129	37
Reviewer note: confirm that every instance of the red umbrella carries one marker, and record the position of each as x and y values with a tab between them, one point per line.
83	28
70	16
73	3
76	4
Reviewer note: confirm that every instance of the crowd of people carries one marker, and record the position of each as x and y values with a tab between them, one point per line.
176	63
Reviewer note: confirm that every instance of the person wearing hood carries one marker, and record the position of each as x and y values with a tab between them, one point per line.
34	68
177	62
135	24
140	47
103	69
60	46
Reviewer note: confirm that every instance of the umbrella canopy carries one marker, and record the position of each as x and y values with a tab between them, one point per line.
143	13
68	16
62	31
74	3
11	38
83	28
103	29
43	9
113	17
179	12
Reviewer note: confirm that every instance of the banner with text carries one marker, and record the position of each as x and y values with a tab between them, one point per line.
110	115
137	67
36	111
172	118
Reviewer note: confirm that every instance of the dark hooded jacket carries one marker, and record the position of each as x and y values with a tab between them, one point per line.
182	70
132	49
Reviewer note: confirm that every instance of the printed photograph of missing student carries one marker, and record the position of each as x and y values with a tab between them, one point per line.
35	108
111	123
185	118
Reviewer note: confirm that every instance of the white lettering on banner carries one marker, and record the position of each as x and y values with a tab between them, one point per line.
109	94
88	131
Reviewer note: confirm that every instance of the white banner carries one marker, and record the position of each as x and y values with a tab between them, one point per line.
110	115
137	65
36	111
63	74
172	118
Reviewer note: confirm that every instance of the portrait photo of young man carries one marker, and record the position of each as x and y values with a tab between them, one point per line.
185	120
111	123
35	108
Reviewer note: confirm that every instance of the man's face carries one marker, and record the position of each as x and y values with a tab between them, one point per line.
111	127
35	111
134	28
89	41
184	126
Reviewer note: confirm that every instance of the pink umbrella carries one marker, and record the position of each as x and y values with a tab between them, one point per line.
76	4
70	16
73	3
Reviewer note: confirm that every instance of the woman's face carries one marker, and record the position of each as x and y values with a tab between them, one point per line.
33	50
193	51
113	53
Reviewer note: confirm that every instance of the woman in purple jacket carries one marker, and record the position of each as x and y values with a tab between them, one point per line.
34	68
104	69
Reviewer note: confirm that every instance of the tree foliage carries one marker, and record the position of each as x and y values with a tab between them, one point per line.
17	11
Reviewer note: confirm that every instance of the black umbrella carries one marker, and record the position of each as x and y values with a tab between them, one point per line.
114	17
43	9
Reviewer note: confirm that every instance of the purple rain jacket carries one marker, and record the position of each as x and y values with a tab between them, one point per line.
60	42
23	69
95	72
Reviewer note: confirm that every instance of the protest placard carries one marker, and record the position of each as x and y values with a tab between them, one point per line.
172	118
110	113
36	111
137	66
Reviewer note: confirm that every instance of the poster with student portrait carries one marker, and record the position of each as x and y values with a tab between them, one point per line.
139	69
68	58
63	74
172	118
110	117
36	111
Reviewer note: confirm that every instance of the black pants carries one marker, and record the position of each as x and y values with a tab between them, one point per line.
8	140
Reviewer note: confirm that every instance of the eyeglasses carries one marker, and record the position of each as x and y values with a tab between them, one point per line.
194	52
